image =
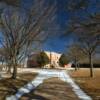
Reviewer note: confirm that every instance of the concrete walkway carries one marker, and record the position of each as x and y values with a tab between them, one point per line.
45	74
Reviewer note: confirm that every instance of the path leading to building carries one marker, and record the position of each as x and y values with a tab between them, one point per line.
46	74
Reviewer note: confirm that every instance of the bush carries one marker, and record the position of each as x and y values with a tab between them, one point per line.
43	59
63	60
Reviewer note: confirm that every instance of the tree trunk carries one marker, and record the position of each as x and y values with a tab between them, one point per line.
9	64
14	74
91	65
76	67
9	69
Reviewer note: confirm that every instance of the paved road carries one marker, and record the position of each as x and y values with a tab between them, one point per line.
45	74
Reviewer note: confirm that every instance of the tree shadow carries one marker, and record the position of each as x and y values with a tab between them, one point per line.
10	87
82	77
53	89
31	96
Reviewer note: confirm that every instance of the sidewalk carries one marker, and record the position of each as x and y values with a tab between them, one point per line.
45	74
51	89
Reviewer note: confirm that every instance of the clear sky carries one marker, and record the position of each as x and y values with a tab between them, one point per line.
58	43
55	43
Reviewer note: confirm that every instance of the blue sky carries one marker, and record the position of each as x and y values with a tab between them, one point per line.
55	43
58	43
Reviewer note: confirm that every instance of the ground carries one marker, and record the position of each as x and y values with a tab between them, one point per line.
10	86
51	89
90	85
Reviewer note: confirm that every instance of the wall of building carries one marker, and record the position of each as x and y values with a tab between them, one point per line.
54	58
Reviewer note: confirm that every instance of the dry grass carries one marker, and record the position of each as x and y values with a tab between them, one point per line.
51	89
10	86
90	85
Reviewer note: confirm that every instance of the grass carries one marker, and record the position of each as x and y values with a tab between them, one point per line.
51	89
10	86
90	85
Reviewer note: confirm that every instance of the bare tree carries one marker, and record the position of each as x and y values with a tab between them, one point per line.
75	55
88	36
88	45
2	58
21	29
12	2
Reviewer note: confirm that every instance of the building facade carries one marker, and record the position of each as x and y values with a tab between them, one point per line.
54	58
